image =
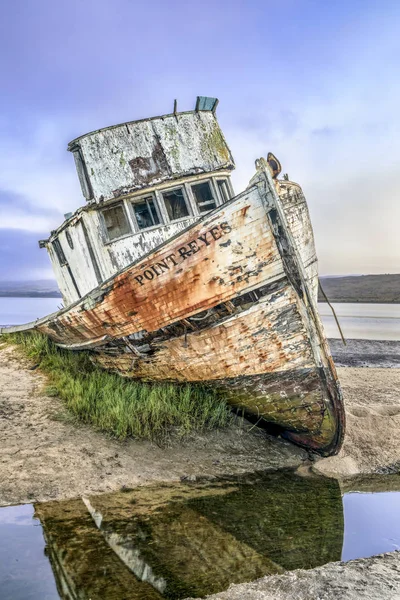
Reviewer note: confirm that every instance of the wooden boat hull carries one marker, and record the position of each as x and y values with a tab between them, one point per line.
230	301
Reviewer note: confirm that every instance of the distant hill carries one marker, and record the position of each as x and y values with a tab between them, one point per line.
45	288
362	288
352	288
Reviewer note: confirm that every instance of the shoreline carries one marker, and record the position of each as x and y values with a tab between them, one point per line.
374	578
46	456
356	301
70	459
365	353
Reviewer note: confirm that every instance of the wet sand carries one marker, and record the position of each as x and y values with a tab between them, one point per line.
366	353
44	456
371	444
372	399
376	578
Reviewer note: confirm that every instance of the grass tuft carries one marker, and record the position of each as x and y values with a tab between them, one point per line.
122	407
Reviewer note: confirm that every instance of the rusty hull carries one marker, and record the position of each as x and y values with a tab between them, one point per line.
230	301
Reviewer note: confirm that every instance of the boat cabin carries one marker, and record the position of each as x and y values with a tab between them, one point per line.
143	181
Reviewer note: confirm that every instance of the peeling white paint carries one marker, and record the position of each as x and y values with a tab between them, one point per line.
117	165
112	256
135	155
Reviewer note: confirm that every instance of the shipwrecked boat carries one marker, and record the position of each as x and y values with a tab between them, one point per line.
166	275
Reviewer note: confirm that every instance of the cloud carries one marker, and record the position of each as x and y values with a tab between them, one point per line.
19	220
16	212
17	515
342	145
21	258
38	179
318	84
350	180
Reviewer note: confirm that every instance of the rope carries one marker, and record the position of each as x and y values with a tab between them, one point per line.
333	312
201	318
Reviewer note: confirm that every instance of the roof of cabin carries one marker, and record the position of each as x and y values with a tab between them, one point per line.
73	142
117	160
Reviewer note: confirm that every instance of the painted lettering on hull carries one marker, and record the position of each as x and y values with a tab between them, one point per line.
176	258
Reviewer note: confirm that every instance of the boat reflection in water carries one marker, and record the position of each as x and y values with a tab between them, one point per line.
191	539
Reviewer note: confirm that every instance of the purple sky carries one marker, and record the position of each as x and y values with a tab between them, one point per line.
318	83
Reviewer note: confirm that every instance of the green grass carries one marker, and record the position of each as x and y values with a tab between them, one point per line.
122	407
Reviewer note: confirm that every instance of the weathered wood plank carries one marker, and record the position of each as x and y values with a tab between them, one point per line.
268	336
225	254
263	347
134	155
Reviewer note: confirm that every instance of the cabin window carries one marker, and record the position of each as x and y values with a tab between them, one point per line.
203	196
223	190
146	213
59	252
175	204
69	240
116	222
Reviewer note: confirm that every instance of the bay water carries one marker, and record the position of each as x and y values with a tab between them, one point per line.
358	320
189	539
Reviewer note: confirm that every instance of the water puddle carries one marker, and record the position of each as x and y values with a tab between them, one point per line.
194	538
25	570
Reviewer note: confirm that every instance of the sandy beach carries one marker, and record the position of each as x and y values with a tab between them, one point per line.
45	456
370	378
376	578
